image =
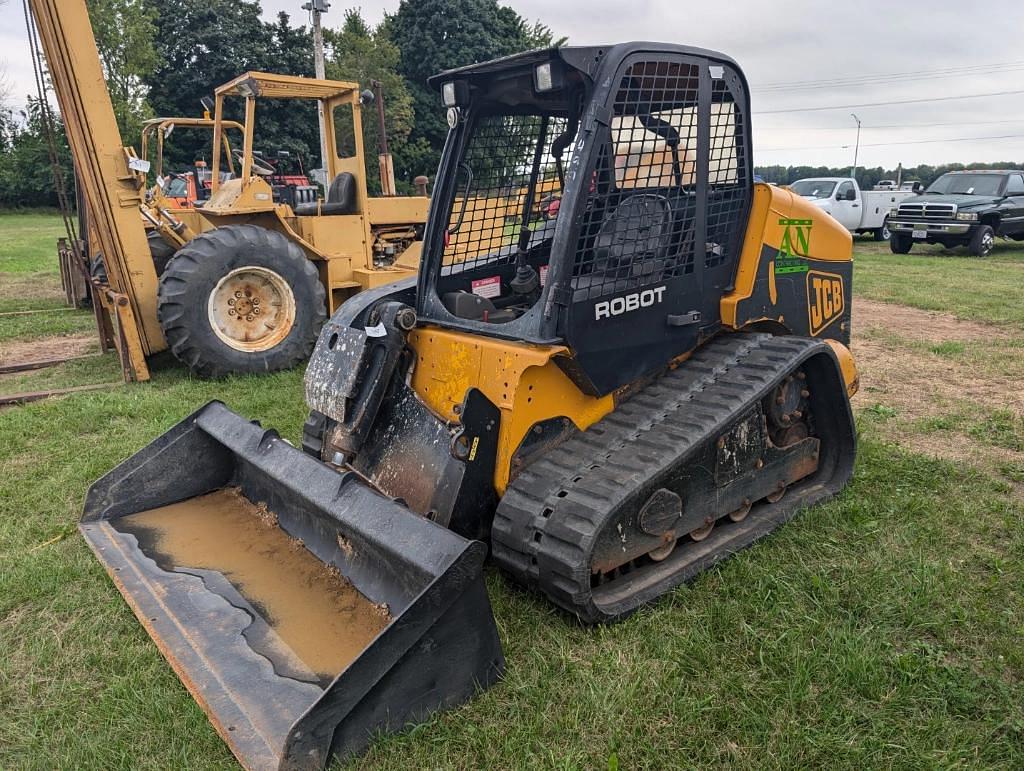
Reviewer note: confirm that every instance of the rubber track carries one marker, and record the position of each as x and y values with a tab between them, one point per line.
578	484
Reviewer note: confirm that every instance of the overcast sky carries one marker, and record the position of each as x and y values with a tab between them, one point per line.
934	50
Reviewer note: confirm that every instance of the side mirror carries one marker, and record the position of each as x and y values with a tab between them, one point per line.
851	195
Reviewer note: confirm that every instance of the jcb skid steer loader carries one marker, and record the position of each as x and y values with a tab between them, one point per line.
620	391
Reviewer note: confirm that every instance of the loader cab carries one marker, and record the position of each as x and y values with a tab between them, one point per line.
266	180
188	189
619	177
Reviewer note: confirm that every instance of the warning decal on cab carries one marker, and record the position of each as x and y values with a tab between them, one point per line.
487	287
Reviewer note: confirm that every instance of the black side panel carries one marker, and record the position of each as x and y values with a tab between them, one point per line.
661	227
812	296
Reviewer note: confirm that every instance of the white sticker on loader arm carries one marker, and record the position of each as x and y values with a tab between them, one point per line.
630	302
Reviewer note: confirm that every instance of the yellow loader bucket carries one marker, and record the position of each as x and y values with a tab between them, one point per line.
304	611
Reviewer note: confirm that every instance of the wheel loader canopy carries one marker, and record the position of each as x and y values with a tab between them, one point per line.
273	86
582	189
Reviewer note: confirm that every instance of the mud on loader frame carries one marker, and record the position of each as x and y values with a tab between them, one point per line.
660	379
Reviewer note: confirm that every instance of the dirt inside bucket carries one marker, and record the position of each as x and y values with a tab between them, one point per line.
325	621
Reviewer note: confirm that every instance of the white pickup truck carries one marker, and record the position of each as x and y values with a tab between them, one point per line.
859	211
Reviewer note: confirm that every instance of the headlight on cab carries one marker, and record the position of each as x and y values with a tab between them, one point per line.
894	211
967	215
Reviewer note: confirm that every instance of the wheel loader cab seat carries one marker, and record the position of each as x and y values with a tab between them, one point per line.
341	198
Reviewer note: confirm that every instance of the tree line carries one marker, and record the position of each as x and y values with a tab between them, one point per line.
160	57
867	178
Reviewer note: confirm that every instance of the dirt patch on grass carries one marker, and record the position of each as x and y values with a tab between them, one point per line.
917	383
34	287
41	349
926	326
911	387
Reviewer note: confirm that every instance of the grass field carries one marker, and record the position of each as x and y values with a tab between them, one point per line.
882	629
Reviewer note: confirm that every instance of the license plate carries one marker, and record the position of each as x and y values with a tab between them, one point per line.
919	233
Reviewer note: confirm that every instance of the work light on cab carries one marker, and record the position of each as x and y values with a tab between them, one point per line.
546	77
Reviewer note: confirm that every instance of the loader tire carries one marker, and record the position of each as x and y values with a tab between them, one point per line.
98	270
161	250
240	299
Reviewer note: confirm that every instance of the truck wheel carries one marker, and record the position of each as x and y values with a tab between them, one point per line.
883	233
982	241
901	243
240	299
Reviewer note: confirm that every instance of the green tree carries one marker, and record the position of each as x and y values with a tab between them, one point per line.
204	43
125	31
26	176
436	35
361	54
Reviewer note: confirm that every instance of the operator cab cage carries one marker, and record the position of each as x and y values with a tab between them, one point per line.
332	95
620	176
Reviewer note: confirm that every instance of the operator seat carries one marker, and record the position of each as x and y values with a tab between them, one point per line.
631	247
341	198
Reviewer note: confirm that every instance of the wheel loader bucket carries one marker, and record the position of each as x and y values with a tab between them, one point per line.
305	612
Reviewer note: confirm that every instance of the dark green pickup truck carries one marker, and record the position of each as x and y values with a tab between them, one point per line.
962	208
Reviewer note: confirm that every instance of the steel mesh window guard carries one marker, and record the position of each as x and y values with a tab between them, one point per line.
493	186
639	223
727	186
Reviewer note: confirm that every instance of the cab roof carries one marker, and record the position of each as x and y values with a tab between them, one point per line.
583	58
274	86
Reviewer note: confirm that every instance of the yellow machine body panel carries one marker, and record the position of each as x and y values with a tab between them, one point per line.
396	210
523	381
794	273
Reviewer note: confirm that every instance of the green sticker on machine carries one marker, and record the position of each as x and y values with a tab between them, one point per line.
796	242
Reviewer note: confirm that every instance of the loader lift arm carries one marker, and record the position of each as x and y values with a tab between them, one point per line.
113	189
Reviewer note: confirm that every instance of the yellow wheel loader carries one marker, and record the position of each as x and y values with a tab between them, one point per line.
615	395
288	258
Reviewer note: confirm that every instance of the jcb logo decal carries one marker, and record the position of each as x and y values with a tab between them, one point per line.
825	299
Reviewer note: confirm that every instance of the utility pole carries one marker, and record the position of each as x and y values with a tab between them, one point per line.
856	147
316	8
